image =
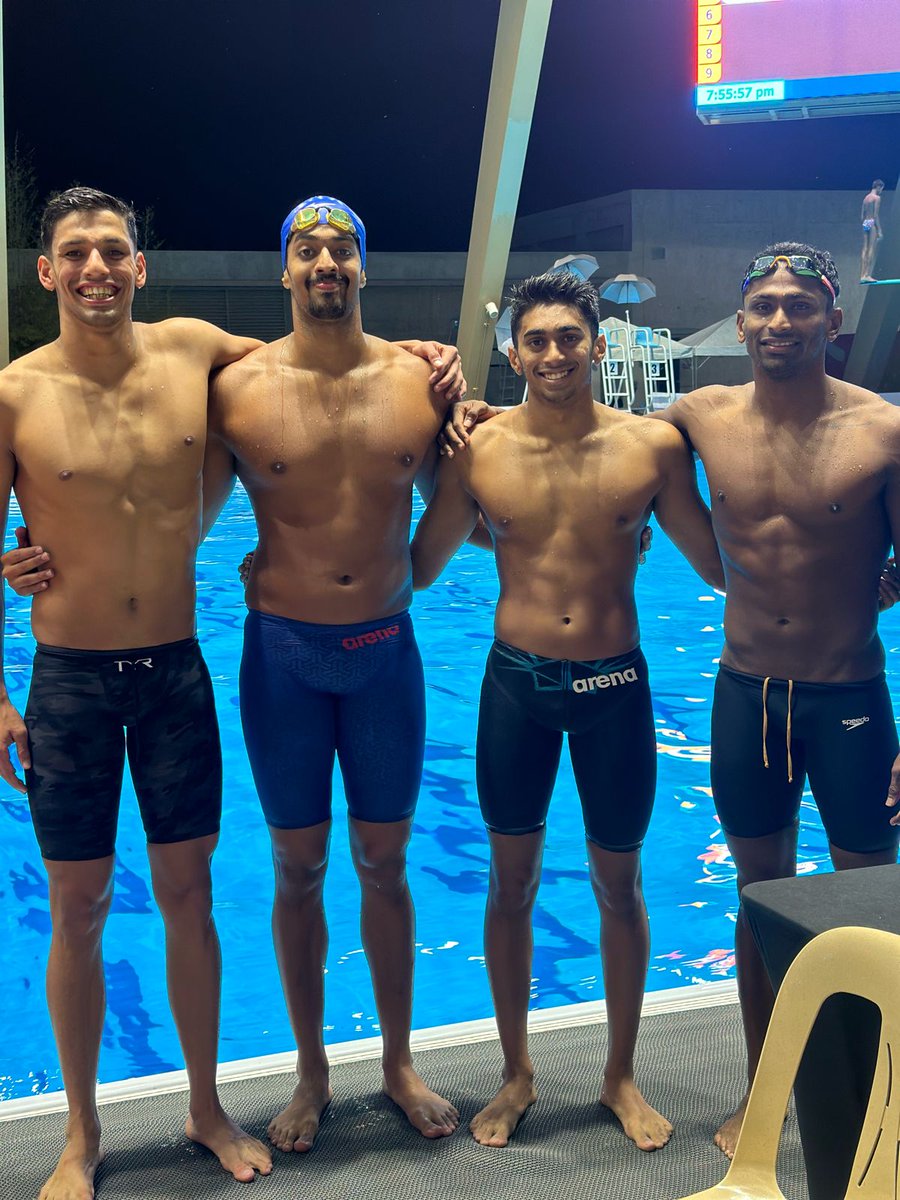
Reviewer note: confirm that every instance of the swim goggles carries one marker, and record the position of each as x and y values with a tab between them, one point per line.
323	210
305	218
798	264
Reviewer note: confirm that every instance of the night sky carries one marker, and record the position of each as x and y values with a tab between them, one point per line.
221	115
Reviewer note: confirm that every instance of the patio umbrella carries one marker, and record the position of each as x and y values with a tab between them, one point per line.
503	331
582	266
627	289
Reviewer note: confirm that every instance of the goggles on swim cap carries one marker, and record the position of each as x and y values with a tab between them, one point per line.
797	264
323	210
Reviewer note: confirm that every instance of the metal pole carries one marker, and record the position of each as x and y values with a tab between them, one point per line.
518	54
4	258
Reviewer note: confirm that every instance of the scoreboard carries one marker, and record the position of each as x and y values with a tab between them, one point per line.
772	60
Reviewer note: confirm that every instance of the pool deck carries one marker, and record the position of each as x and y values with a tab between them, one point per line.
689	1066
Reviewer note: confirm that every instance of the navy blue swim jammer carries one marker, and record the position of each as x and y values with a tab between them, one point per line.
309	692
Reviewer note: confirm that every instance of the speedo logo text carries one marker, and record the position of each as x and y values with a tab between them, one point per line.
604	681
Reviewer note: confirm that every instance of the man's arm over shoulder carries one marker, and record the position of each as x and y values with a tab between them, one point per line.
12	727
687	411
681	512
892	506
446	523
219	468
215	345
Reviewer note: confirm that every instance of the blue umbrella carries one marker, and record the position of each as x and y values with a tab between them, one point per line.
582	266
627	289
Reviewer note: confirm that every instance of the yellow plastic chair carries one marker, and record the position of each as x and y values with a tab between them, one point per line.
863	962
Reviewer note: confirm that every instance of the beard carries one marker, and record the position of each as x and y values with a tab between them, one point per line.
328	306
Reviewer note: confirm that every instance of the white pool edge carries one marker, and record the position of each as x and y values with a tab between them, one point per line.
700	995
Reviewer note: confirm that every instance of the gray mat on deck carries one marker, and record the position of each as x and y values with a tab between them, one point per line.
567	1147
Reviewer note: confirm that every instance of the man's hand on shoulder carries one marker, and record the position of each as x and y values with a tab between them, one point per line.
447	378
464	416
25	568
12	733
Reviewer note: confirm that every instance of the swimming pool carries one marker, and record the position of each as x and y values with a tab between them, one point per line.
689	878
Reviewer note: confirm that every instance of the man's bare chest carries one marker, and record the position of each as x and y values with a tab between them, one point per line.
371	441
584	499
148	434
815	480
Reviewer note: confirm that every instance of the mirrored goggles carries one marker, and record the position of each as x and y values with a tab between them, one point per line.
797	264
306	218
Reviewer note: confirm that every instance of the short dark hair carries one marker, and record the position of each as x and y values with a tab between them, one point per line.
554	287
821	258
83	199
877	183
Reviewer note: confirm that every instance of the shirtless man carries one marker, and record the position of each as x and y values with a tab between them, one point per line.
102	436
871	230
328	429
565	486
804	476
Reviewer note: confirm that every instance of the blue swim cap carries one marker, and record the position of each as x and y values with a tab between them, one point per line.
326	205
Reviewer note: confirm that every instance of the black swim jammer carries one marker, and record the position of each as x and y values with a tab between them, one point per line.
769	735
527	703
85	709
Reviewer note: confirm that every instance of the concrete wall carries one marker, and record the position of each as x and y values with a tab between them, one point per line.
694	245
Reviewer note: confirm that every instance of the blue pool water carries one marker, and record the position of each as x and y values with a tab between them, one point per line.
689	878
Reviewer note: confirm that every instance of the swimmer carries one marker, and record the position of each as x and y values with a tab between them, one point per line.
870	216
103	436
329	429
804	476
105	432
565	487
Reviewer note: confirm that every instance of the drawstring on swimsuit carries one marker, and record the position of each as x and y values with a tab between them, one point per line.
765	726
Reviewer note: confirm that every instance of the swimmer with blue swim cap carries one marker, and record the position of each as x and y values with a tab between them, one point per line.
323	210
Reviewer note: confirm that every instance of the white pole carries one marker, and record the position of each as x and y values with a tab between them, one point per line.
518	54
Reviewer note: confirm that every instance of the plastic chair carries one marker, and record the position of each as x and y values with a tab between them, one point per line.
863	962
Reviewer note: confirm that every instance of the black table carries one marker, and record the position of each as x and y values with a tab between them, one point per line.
832	1088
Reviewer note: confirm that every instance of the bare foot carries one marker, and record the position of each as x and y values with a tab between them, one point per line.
497	1121
727	1136
296	1126
73	1178
431	1114
647	1128
239	1153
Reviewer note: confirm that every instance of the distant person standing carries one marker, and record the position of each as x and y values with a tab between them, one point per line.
871	230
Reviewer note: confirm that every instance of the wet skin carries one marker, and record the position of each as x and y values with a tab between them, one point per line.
565	487
102	435
804	478
328	429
